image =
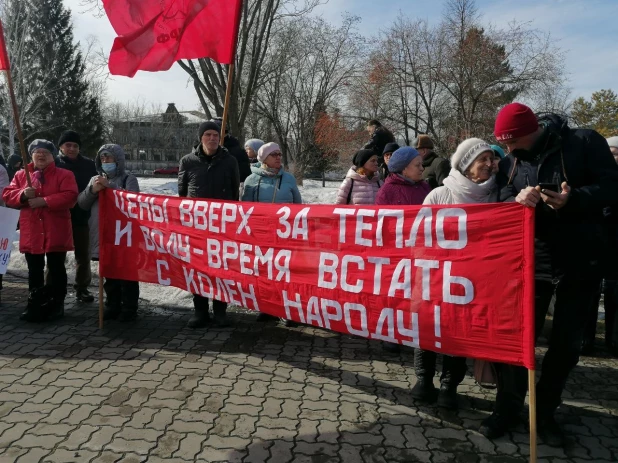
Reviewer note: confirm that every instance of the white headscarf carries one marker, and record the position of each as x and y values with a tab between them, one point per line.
465	191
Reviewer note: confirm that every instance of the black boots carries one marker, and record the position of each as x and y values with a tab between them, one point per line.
43	305
497	424
447	397
121	300
83	295
424	390
200	317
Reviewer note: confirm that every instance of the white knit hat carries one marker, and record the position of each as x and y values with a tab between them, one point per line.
612	142
266	150
467	151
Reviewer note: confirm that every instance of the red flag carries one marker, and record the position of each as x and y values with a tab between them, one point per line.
5	65
153	34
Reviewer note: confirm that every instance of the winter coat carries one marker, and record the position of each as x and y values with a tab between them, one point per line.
83	169
399	191
89	201
11	166
44	229
4	182
436	169
213	177
458	189
358	189
262	188
573	239
379	139
242	158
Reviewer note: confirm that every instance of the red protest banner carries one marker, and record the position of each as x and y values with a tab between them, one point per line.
153	34
452	279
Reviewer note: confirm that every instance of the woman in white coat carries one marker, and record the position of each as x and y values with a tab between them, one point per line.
470	181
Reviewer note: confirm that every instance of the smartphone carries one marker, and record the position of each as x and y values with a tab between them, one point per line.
550	186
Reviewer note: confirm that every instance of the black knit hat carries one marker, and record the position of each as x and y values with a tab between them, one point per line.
208	125
361	157
390	148
69	136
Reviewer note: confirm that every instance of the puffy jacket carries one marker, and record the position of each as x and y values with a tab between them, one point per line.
83	169
358	188
379	139
436	169
398	191
573	239
232	145
44	229
213	177
89	201
262	188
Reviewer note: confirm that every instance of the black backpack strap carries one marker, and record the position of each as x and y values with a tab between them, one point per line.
350	192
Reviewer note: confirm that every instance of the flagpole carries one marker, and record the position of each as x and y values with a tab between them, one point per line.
20	135
532	410
226	106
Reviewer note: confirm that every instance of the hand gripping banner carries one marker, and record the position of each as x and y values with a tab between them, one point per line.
452	279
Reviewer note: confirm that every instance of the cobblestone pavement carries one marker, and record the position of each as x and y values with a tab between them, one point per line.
154	391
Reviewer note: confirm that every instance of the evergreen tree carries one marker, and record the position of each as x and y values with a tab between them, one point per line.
600	113
53	71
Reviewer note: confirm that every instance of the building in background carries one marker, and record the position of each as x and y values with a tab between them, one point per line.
157	140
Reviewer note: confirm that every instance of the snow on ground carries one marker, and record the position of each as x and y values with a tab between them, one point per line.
311	192
163	296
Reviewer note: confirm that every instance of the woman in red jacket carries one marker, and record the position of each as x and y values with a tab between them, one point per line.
45	228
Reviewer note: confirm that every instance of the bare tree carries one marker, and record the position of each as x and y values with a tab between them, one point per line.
308	67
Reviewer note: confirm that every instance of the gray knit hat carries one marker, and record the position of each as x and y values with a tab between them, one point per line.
39	143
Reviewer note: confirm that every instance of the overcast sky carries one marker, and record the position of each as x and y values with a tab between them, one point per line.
587	30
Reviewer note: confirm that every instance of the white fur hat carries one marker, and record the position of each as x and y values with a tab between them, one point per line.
612	142
467	151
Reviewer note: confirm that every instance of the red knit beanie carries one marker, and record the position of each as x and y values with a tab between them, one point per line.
515	120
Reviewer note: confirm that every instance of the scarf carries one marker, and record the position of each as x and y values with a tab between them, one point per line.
407	180
465	191
269	171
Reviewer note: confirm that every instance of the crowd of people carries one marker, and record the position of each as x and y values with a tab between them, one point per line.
568	176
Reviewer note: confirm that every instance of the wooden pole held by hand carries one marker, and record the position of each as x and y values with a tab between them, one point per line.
226	106
20	135
100	299
532	408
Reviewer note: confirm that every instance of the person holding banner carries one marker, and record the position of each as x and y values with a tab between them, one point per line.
269	183
45	229
209	171
404	185
121	295
568	176
470	181
362	182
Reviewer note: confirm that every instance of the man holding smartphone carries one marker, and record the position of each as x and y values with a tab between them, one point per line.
568	176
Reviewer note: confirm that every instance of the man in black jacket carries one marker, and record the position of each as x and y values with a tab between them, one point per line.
233	147
380	137
208	172
568	176
83	169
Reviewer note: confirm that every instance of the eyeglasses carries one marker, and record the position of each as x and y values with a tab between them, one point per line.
41	152
276	155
